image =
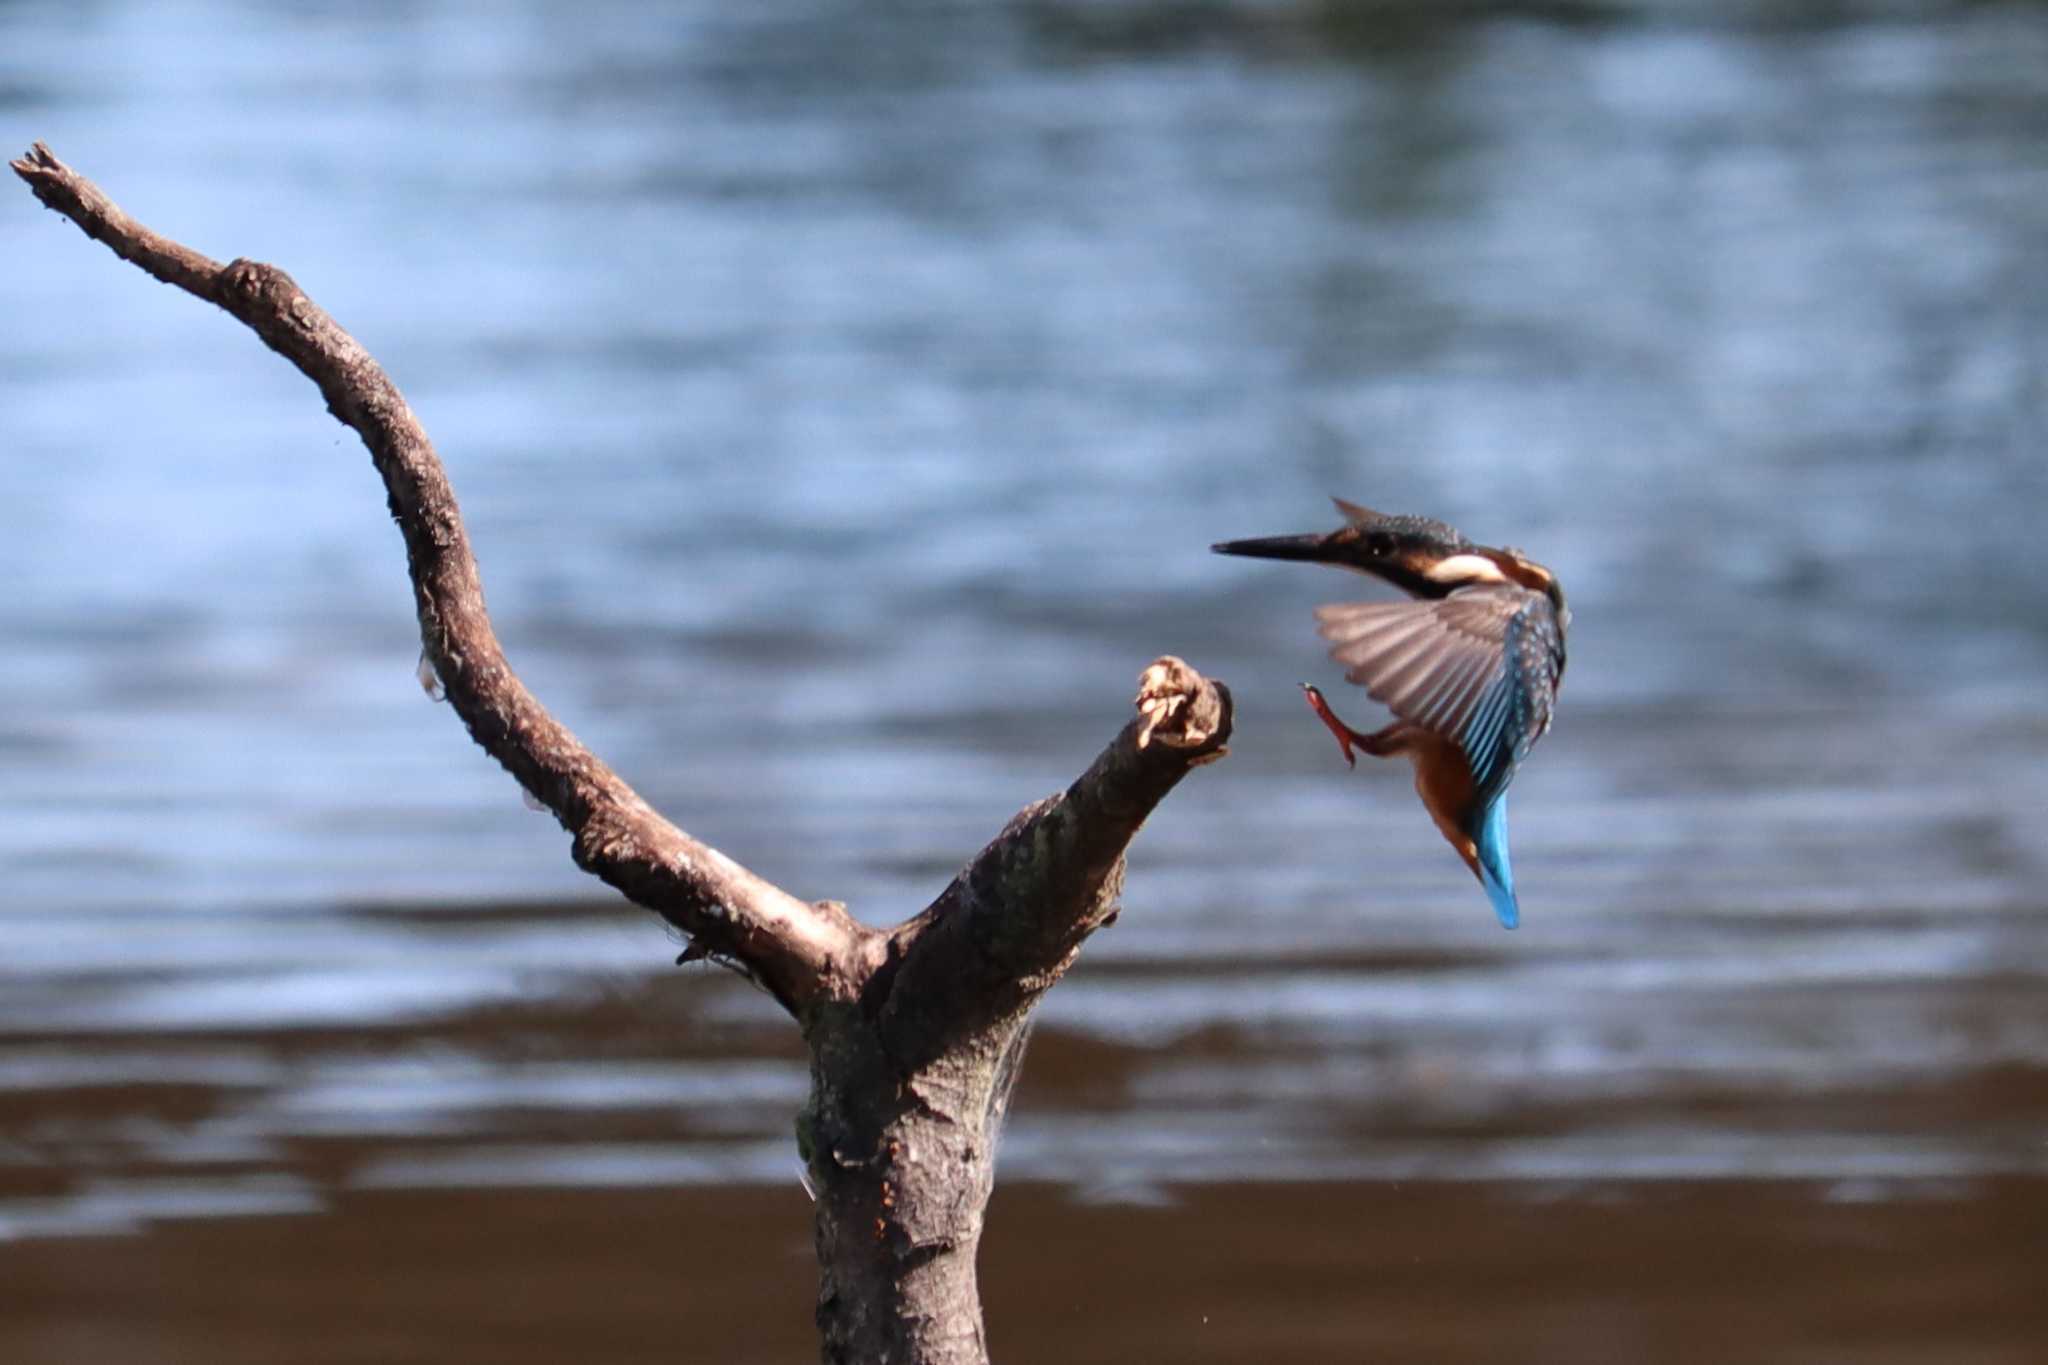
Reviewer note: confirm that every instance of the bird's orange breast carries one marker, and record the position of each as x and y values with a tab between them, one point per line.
1443	779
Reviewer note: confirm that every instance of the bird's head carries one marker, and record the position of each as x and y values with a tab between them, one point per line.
1419	554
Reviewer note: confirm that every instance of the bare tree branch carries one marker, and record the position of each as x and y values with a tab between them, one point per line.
914	1034
796	949
909	1084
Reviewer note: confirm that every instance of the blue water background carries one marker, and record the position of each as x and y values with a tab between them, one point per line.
842	398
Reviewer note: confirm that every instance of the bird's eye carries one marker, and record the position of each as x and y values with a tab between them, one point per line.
1380	543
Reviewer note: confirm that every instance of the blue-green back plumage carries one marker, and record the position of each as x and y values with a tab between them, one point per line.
1514	711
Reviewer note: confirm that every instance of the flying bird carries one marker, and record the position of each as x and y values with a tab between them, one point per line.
1469	667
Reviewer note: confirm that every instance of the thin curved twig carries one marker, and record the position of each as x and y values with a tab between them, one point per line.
798	950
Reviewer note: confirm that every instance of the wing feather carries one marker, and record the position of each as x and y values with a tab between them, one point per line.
1367	621
1479	667
1447	707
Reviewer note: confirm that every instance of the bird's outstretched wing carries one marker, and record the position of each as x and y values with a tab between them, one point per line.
1479	667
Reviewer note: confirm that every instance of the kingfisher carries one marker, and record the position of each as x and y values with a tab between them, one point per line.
1469	666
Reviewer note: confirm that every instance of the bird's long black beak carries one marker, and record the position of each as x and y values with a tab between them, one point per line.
1313	549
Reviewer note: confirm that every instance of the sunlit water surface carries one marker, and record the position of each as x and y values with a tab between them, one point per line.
842	399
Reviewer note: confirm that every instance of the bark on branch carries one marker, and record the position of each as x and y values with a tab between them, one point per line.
914	1032
1012	922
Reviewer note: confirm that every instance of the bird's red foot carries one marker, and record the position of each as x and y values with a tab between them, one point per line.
1346	736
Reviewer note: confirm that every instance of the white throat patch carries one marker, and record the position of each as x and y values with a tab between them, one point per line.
1465	569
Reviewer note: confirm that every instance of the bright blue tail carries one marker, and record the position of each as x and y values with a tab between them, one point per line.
1494	872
